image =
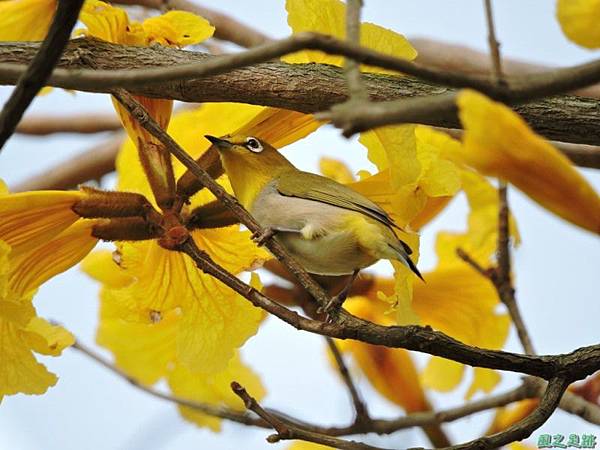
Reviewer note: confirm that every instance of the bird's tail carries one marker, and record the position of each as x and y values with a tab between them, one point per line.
402	255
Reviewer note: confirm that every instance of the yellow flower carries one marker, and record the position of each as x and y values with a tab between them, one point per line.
329	17
40	237
498	142
579	21
175	28
412	164
21	331
25	20
183	325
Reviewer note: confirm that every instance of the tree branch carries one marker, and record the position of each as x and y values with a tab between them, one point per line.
40	68
360	409
211	410
523	428
89	165
42	125
286	431
305	88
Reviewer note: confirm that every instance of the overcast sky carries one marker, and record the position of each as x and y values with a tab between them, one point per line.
556	267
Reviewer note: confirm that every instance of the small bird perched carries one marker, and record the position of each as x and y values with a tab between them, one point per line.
327	227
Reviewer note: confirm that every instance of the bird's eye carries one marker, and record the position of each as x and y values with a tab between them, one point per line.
254	145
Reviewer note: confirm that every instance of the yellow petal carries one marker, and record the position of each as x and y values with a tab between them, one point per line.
231	248
110	23
159	109
177	28
328	17
579	21
441	374
101	266
216	321
509	415
413	169
280	127
19	371
46	338
25	20
484	380
29	219
480	240
336	170
35	267
498	142
4	268
142	349
214	389
304	445
461	303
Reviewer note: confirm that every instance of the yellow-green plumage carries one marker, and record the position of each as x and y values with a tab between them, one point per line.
329	228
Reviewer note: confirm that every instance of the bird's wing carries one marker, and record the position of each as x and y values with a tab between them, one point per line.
314	187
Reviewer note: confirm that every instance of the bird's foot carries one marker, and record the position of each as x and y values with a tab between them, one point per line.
262	236
338	300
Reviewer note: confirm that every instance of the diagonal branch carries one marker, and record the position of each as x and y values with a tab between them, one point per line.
523	428
575	365
34	78
211	410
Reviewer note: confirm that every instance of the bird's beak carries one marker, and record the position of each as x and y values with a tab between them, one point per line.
220	143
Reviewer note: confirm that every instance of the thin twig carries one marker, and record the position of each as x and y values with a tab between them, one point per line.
570	403
286	431
494	45
351	67
501	276
360	409
40	68
211	410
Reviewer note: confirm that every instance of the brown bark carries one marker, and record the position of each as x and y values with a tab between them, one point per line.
306	88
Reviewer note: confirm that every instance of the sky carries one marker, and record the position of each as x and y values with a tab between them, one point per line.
556	266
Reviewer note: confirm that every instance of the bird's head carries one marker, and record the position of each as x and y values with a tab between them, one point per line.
250	162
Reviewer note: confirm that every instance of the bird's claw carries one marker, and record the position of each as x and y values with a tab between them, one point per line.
262	236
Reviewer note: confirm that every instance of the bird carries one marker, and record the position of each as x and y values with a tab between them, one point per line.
327	227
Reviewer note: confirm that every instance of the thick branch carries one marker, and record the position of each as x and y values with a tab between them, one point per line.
40	68
306	88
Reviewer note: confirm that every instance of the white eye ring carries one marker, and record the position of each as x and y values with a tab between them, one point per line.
253	145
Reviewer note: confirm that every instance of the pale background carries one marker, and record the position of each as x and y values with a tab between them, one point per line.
557	267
